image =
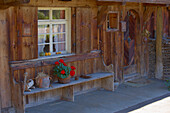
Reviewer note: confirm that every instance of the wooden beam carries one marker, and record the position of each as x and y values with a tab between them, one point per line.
140	1
5	91
57	3
73	30
159	30
4	4
0	101
141	63
169	22
17	65
101	17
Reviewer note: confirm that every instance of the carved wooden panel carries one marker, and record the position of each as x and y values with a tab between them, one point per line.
129	39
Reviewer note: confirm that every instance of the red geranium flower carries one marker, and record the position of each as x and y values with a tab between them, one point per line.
73	68
61	60
63	72
57	63
72	73
64	64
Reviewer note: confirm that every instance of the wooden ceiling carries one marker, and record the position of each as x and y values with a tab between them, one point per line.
140	1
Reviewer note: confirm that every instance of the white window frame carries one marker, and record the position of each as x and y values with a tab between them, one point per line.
50	21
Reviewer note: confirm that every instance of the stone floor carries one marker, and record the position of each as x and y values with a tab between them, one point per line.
124	99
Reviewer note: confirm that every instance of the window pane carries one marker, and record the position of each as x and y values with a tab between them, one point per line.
58	47
59	38
57	28
43	38
58	14
43	29
43	48
43	14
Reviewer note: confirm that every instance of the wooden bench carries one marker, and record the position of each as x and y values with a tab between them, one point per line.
103	80
107	82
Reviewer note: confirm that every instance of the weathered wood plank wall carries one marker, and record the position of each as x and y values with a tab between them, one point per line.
112	43
5	88
87	35
22	47
84	40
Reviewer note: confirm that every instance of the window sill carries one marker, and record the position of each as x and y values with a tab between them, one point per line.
55	56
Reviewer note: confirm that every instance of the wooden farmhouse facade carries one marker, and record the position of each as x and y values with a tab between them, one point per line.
132	36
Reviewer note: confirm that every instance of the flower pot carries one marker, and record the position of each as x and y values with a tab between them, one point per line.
43	82
64	80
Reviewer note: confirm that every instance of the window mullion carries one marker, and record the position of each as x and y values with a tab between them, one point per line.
51	38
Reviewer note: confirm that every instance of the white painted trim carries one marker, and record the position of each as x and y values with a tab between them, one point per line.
66	21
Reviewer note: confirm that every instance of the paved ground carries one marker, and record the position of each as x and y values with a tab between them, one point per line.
160	106
126	98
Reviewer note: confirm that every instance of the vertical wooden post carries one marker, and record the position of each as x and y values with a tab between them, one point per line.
0	101
123	18
5	91
94	37
159	26
169	23
142	52
73	30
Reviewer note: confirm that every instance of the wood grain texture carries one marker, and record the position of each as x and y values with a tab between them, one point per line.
83	33
57	3
17	97
0	102
68	94
27	45
108	83
44	62
94	38
140	1
159	29
73	30
5	90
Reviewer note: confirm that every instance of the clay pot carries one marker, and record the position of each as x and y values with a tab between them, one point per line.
43	82
64	80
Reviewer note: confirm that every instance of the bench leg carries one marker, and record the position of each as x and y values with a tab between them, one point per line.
108	83
68	93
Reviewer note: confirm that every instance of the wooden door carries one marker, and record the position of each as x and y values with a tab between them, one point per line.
130	65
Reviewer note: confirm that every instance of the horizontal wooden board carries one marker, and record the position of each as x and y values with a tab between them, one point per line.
94	76
17	65
140	1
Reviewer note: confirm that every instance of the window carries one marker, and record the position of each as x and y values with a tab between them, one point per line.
112	21
54	34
